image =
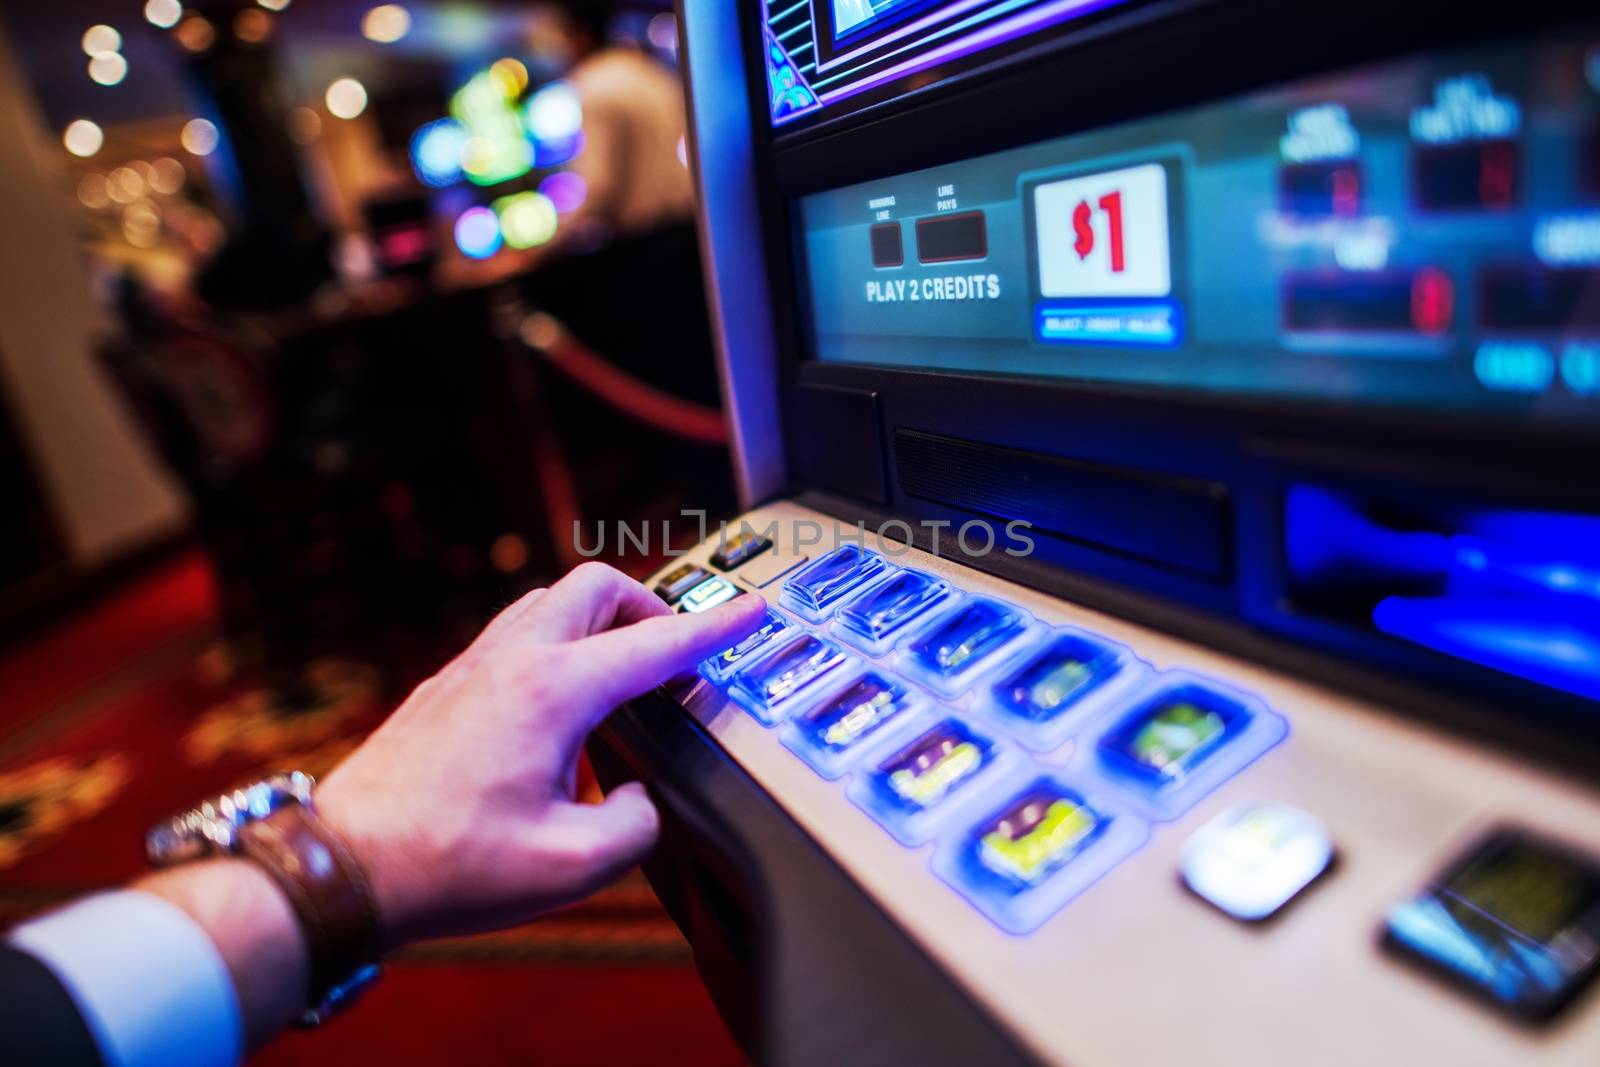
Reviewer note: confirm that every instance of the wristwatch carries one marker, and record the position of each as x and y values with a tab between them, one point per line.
274	824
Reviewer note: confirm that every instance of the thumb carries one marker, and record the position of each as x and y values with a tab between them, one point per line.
612	836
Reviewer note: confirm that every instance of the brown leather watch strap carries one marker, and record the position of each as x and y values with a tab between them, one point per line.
326	888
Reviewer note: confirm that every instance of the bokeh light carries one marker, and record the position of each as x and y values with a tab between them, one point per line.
554	113
83	138
252	26
199	137
108	68
510	76
98	40
273	5
566	191
478	233
126	185
436	150
663	31
163	13
141	225
386	23
94	191
195	34
167	176
346	98
527	220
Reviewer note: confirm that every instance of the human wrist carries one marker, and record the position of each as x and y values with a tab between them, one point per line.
249	920
349	813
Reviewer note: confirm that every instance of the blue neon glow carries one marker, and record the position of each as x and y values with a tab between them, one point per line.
436	152
1515	591
1158	324
1166	768
1514	366
1017	905
478	233
939	776
1548	645
787	92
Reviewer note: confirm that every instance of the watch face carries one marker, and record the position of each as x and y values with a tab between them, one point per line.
214	825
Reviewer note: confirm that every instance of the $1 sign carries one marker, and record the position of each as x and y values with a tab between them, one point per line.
1104	235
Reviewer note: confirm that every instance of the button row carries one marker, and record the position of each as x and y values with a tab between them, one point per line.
929	764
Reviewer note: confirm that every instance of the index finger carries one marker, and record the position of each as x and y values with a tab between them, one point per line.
591	599
623	663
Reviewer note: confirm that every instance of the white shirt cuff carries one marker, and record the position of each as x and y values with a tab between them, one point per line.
148	981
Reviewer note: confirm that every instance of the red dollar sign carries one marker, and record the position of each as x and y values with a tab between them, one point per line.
1080	226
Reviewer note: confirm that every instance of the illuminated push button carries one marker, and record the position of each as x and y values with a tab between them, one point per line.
816	591
1054	690
921	786
1025	860
736	550
771	686
1254	858
875	619
950	654
1184	737
679	581
707	595
720	667
833	734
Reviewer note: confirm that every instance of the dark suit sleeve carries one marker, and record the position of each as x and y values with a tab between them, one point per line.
39	1024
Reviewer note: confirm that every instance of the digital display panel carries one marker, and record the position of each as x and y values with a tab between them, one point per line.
823	56
1420	234
1516	919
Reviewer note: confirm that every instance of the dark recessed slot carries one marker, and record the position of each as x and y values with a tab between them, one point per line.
1533	298
888	247
1420	300
947	238
1177	522
1320	189
1477	176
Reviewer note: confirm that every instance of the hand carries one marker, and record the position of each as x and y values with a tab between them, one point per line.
461	806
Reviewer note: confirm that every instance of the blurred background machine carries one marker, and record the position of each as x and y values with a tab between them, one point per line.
1168	430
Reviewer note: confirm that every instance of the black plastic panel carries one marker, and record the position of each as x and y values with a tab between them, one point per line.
1181	523
846	454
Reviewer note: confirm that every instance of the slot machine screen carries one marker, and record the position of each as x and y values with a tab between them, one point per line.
1420	234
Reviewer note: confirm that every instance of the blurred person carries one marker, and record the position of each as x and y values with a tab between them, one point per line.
458	815
633	130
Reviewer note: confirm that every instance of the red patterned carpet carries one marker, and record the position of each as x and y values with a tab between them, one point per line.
125	713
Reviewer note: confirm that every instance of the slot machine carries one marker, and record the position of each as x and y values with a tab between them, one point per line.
1169	437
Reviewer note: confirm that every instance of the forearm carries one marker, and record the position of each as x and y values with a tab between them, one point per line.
248	919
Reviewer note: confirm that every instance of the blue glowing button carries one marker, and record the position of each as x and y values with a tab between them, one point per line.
1184	737
833	734
818	589
1254	858
1024	861
1157	324
679	581
770	687
950	654
720	668
1054	690
874	620
922	785
707	595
